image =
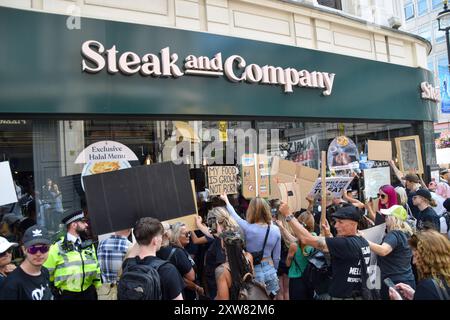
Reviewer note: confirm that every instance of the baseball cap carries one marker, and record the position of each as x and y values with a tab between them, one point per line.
36	235
395	211
443	171
423	193
411	178
5	244
348	212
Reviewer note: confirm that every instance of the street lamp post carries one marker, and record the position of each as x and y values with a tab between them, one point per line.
443	19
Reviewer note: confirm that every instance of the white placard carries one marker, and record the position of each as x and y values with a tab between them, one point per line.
375	178
7	189
334	184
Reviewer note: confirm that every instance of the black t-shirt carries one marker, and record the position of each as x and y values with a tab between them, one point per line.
414	210
21	286
427	291
428	219
178	259
214	257
172	283
345	255
397	264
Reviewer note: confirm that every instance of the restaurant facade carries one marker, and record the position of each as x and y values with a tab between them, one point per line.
295	76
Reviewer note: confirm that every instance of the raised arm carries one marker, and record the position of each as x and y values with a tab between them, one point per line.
241	222
302	234
397	172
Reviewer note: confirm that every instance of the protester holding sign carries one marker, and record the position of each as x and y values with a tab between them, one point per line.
431	255
263	241
394	252
349	253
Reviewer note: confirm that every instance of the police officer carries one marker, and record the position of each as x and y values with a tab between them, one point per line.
72	263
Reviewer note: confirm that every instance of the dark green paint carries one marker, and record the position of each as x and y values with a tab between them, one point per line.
40	73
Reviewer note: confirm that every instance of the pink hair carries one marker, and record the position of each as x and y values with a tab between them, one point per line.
392	197
443	190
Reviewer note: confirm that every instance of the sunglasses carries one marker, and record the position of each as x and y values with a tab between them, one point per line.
35	249
9	251
382	196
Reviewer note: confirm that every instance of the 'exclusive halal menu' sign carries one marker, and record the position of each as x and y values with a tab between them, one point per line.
234	68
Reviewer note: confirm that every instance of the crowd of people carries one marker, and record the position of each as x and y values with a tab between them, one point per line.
245	250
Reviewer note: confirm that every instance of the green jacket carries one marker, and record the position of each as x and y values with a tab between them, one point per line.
73	270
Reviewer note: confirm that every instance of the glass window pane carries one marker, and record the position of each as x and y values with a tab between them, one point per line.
425	32
437	4
409	11
422	7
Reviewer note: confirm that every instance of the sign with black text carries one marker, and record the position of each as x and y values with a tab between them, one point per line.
334	184
222	179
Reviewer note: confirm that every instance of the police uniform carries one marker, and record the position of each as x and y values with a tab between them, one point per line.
73	266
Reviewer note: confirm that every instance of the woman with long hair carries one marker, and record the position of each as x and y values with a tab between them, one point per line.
387	197
231	274
299	288
394	253
431	255
263	241
219	221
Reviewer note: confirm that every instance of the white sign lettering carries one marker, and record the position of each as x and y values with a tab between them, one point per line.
235	68
429	92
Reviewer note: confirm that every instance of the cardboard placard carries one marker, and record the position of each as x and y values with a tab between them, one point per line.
255	176
7	189
374	179
117	199
379	150
222	179
285	171
189	220
334	184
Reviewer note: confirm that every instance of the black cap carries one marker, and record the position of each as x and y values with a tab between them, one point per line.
443	171
423	193
348	213
35	235
73	217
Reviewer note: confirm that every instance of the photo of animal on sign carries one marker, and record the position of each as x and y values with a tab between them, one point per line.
222	179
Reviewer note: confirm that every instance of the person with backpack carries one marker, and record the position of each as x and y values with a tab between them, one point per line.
299	287
263	241
235	278
350	254
145	276
431	255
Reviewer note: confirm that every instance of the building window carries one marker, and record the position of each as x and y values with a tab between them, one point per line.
425	32
430	64
439	36
409	10
422	7
436	4
335	4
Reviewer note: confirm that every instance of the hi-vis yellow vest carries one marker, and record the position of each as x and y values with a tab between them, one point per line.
73	270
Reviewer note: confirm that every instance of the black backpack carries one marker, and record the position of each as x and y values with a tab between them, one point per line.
140	281
318	272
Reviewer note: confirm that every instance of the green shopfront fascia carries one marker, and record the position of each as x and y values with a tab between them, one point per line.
127	82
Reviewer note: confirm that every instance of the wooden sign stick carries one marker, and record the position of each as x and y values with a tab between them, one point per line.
323	173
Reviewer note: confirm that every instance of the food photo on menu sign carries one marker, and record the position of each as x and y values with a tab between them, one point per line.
342	154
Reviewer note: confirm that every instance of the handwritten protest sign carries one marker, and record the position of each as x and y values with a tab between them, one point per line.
222	179
334	184
255	176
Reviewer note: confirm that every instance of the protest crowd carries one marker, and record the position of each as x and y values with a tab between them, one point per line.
245	249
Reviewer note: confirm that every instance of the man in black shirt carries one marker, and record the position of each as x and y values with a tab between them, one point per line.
345	250
30	281
427	217
148	233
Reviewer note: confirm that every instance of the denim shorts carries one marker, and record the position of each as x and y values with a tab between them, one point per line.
266	274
